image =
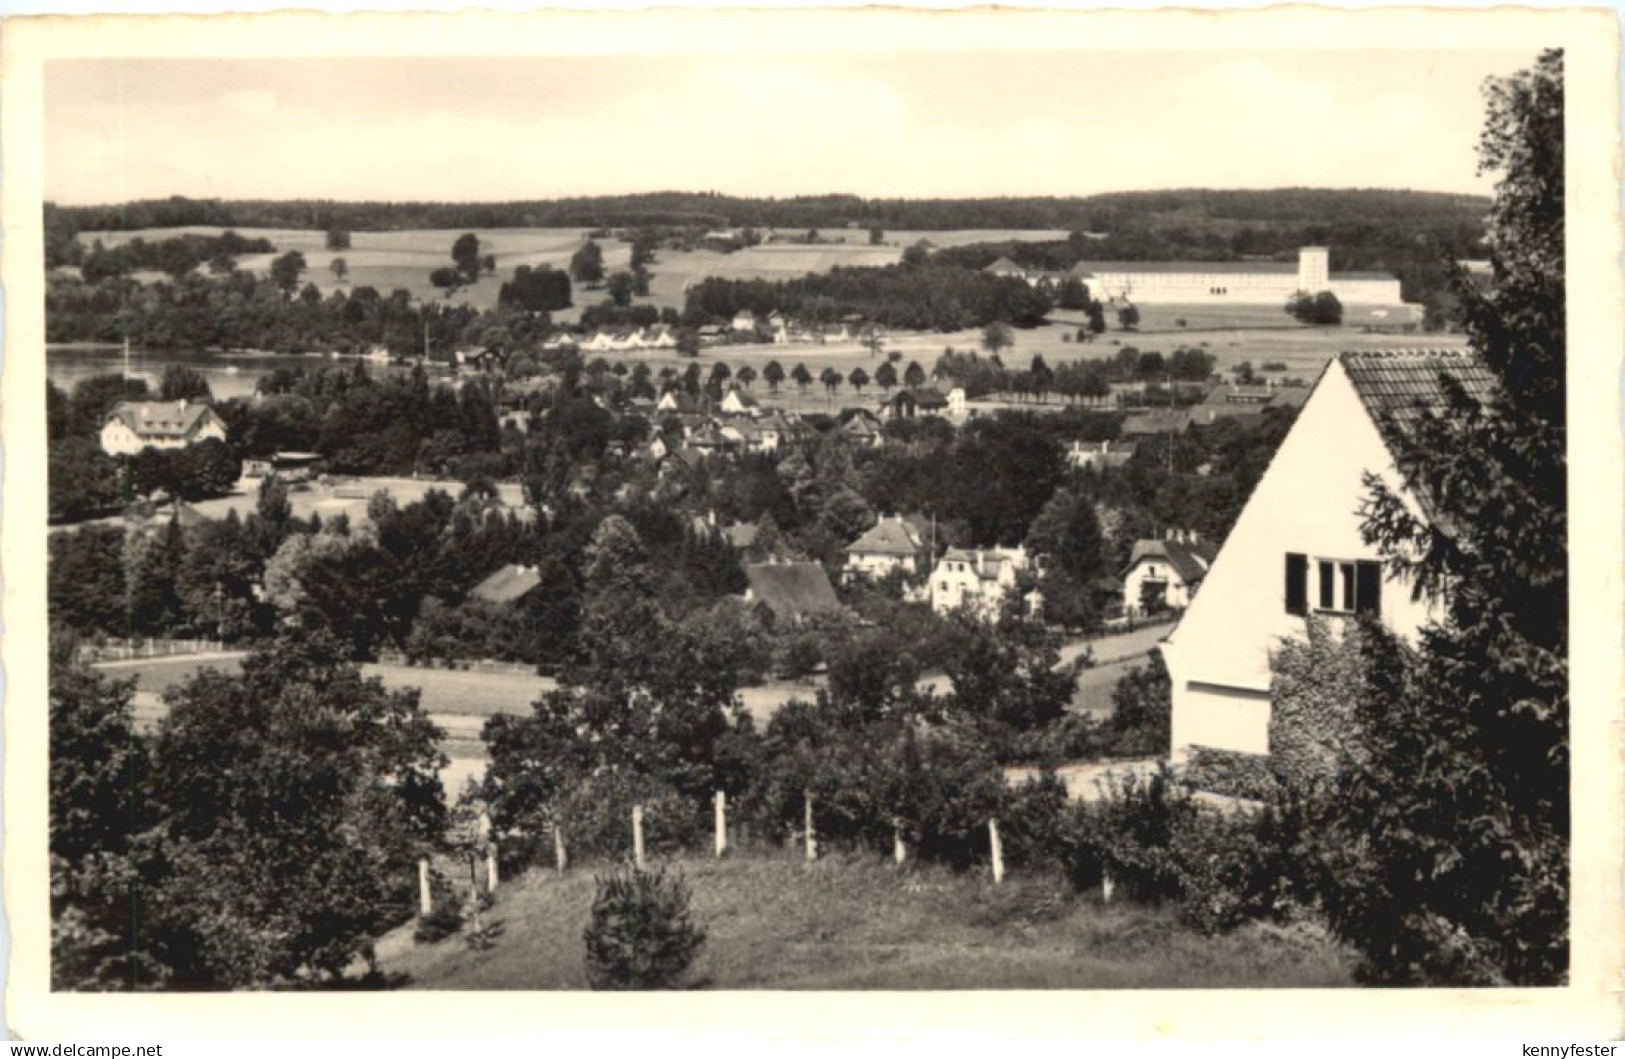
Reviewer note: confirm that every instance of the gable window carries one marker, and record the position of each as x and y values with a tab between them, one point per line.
1349	586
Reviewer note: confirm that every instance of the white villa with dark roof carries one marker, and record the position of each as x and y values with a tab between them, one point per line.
135	425
1164	573
1297	550
891	544
981	580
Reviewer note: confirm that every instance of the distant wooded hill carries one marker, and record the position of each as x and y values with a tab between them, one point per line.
1203	211
1412	234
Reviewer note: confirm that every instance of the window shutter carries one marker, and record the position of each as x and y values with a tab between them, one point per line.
1297	583
1368	590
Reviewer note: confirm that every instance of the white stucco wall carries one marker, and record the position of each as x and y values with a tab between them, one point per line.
1366	291
1177	596
957	584
1307	502
877	565
118	439
213	427
1188	288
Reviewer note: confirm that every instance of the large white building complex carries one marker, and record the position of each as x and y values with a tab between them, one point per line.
1234	282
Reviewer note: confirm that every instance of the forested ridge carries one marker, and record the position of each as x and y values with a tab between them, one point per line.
1197	207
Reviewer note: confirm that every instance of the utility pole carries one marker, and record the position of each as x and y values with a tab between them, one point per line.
1170	421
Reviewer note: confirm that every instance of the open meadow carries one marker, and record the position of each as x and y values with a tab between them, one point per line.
854	921
401	259
1304	351
404	259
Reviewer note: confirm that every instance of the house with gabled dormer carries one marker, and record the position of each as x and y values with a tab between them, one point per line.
135	425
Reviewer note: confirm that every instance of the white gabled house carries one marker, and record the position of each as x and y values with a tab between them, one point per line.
1296	550
135	425
738	401
892	543
1164	573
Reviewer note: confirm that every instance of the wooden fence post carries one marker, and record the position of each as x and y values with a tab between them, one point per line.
488	833
812	840
473	895
899	852
425	900
722	823
637	836
558	849
997	849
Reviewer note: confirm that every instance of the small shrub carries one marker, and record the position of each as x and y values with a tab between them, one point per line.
1223	872
597	818
641	935
1130	834
1074	737
1032	824
1252	865
1232	773
445	916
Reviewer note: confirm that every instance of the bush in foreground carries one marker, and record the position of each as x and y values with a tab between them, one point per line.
641	935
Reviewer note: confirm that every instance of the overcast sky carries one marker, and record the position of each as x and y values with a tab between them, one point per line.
895	125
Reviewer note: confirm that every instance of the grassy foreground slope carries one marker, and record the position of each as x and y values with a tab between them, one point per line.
856	922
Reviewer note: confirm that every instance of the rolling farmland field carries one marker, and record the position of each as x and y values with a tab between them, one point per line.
787	261
404	259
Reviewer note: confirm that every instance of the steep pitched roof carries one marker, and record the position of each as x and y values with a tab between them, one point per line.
162	419
680	402
1190	561
924	396
889	536
792	590
1399	386
1004	264
507	584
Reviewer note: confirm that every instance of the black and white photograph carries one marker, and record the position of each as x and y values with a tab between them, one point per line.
781	519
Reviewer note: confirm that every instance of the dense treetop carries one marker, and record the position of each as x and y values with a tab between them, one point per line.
1195	207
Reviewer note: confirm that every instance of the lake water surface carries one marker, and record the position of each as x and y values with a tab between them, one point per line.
228	374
